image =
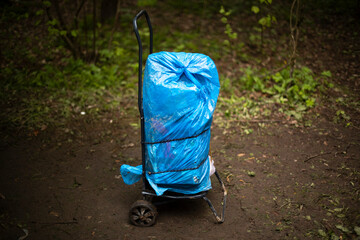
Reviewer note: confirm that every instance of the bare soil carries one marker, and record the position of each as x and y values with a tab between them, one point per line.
61	190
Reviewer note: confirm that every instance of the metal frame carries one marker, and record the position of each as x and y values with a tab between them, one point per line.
141	110
147	189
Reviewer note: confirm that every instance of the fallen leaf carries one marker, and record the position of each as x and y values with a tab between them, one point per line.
128	145
241	154
76	184
342	228
54	214
357	230
26	234
322	233
228	178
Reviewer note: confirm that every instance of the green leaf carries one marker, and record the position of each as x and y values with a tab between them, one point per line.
74	33
334	237
40	12
342	228
297	115
322	233
300	108
63	33
53	22
119	51
233	36
228	13
222	10
53	31
277	77
326	74
310	102
135	125
273	19
255	9
263	21
357	230
224	20
340	112
47	3
279	89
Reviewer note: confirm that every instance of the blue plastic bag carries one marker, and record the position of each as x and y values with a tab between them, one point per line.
180	92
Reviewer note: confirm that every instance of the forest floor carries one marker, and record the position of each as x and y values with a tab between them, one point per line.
284	180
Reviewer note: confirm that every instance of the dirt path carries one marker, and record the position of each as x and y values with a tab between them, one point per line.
306	179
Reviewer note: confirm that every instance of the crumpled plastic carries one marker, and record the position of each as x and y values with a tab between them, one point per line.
180	92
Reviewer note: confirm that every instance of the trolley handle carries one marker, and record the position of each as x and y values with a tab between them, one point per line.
142	12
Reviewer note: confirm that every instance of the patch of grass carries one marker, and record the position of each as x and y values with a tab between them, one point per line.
58	91
264	94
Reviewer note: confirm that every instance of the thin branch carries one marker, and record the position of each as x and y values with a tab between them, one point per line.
79	9
94	30
86	35
317	155
59	15
258	121
274	71
287	203
294	33
115	23
55	223
64	37
77	13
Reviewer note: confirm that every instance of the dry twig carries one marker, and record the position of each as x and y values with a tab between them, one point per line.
317	155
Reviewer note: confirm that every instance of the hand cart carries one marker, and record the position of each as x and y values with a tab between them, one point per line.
143	212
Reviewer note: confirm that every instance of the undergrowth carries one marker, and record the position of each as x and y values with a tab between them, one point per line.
52	87
275	93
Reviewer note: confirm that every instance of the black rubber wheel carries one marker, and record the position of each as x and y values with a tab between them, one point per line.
143	213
